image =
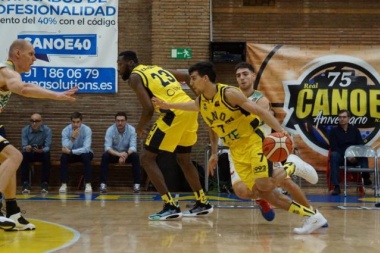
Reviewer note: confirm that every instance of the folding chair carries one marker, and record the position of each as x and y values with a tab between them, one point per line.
351	177
360	151
377	177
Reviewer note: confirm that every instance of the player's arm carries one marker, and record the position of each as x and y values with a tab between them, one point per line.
180	76
213	160
237	98
185	106
264	103
147	107
16	85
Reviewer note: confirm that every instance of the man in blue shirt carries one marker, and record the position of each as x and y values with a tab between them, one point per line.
36	142
76	147
340	138
120	146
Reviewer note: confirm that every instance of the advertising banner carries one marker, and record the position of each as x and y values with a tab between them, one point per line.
75	41
308	85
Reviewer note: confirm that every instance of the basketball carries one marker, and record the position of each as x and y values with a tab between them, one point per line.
277	147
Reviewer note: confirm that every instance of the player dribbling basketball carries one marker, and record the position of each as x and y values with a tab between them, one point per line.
234	118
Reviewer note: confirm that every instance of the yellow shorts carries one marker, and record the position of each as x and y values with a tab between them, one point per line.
172	129
249	161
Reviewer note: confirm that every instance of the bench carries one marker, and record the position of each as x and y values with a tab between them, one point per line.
124	179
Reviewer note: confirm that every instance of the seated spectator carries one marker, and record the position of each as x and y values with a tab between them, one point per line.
76	147
120	147
36	143
340	138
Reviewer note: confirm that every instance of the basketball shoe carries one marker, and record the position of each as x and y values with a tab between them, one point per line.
266	210
199	209
311	224
103	188
5	223
21	223
169	212
303	169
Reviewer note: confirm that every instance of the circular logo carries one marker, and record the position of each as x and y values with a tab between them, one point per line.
326	86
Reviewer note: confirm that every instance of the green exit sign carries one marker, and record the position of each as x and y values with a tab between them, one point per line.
181	53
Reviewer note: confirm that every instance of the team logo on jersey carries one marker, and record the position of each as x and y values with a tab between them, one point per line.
327	85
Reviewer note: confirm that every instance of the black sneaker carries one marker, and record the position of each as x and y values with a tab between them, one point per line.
367	181
199	209
336	190
169	212
20	222
5	223
25	188
44	187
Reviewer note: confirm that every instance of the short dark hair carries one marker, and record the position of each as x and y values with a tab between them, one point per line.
203	69
345	111
76	115
244	65
129	55
121	114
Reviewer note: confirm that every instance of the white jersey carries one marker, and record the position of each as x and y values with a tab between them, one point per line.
256	96
4	95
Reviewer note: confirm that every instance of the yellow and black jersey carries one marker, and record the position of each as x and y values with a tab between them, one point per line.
230	123
161	83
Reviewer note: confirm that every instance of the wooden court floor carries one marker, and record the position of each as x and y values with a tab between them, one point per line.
117	222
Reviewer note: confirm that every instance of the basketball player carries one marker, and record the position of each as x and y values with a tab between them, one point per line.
235	119
20	59
245	77
173	131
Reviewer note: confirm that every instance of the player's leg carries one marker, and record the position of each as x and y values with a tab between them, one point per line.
202	205
295	165
242	191
159	139
314	219
295	191
186	126
11	158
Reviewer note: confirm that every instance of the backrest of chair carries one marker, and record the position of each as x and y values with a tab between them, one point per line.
360	151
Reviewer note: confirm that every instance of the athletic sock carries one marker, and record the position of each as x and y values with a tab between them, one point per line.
11	207
201	196
167	198
300	209
289	168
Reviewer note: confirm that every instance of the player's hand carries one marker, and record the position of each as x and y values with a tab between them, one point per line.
212	163
67	95
159	103
140	133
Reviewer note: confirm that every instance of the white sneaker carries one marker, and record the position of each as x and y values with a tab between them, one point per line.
136	188
303	169
6	224
63	188
88	188
311	224
21	223
103	188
